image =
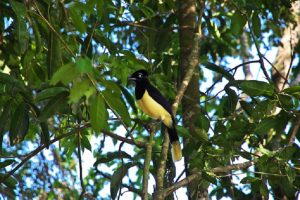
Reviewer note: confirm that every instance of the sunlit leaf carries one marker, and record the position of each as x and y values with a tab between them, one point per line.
85	142
84	65
80	89
117	105
65	74
99	114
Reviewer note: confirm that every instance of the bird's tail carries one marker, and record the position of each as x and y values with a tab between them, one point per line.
175	145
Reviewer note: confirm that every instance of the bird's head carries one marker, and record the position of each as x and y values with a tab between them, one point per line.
139	76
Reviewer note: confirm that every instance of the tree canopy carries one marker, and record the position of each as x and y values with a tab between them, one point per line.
64	91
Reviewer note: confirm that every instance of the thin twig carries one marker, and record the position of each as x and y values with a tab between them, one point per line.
91	37
126	140
38	150
289	70
80	165
294	131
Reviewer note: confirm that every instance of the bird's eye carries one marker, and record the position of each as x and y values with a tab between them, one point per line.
140	75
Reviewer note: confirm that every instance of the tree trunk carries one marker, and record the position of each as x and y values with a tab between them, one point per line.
289	40
283	63
190	103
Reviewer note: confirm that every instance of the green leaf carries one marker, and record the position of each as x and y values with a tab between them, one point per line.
18	8
286	101
291	174
183	132
49	92
45	135
9	80
53	106
54	54
111	156
292	90
84	65
10	182
238	21
230	102
80	89
264	190
218	69
4	119
256	24
65	74
256	88
85	143
249	179
129	98
77	20
247	107
99	114
6	163
118	105
265	126
19	124
116	179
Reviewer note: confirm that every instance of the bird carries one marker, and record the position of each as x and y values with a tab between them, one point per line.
155	105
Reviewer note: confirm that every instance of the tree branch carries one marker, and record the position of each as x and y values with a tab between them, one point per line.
38	150
196	176
126	140
80	165
147	164
294	131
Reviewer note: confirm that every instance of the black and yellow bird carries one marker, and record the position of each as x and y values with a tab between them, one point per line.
151	101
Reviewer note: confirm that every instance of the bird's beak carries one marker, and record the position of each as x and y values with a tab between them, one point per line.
130	80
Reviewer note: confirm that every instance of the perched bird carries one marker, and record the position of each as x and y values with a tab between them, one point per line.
151	101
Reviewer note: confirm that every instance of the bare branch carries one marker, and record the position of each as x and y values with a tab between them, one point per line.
294	131
38	150
196	176
126	140
80	165
147	164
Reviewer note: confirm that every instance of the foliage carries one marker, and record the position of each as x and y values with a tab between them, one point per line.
63	77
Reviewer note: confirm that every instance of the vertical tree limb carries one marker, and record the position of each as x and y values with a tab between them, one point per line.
147	165
80	165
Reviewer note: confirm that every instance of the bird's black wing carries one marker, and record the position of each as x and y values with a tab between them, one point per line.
158	97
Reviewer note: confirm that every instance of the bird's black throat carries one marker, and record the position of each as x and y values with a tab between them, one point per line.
140	88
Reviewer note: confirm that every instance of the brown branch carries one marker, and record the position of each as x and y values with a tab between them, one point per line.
193	177
38	150
294	131
80	166
147	164
123	139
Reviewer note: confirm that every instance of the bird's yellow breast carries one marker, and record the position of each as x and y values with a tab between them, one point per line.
154	109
